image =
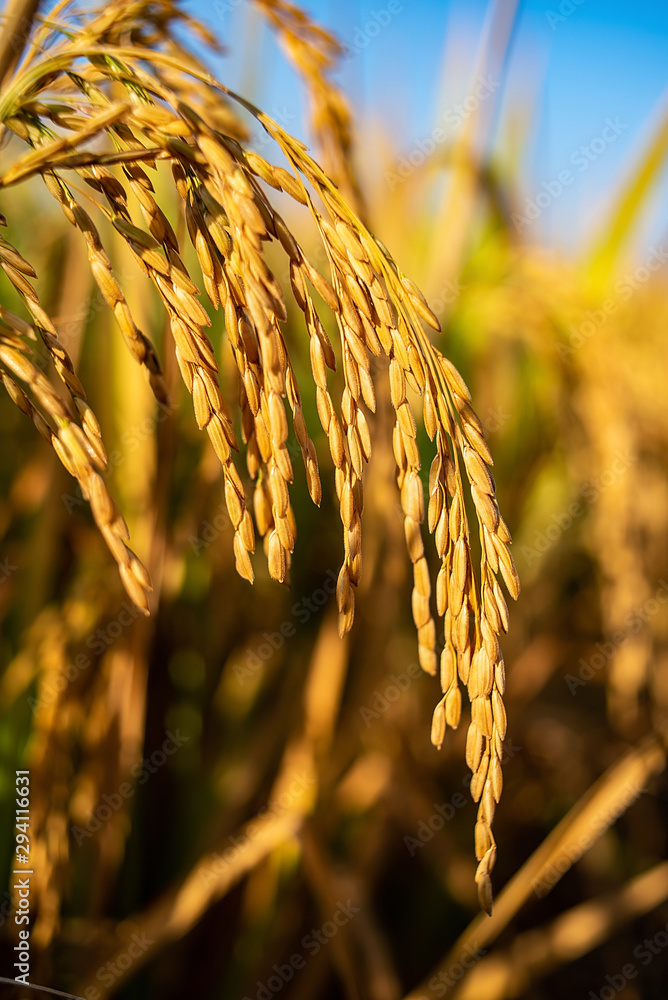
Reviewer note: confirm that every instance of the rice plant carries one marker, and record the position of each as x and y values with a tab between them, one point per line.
122	81
212	761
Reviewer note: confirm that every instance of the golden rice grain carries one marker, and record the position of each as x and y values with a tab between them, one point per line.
376	310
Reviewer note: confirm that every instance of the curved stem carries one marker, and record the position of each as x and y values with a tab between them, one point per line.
20	15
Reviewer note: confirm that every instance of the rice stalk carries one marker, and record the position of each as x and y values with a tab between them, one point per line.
535	953
600	806
124	82
314	53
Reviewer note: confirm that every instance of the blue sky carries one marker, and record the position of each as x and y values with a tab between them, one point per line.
573	68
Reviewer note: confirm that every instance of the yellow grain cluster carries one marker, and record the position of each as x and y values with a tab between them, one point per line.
165	115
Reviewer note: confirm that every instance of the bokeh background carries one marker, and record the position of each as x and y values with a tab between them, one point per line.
302	837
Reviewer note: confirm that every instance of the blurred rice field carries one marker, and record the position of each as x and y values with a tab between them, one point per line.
230	801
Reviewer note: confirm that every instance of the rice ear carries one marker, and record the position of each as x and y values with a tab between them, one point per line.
165	107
